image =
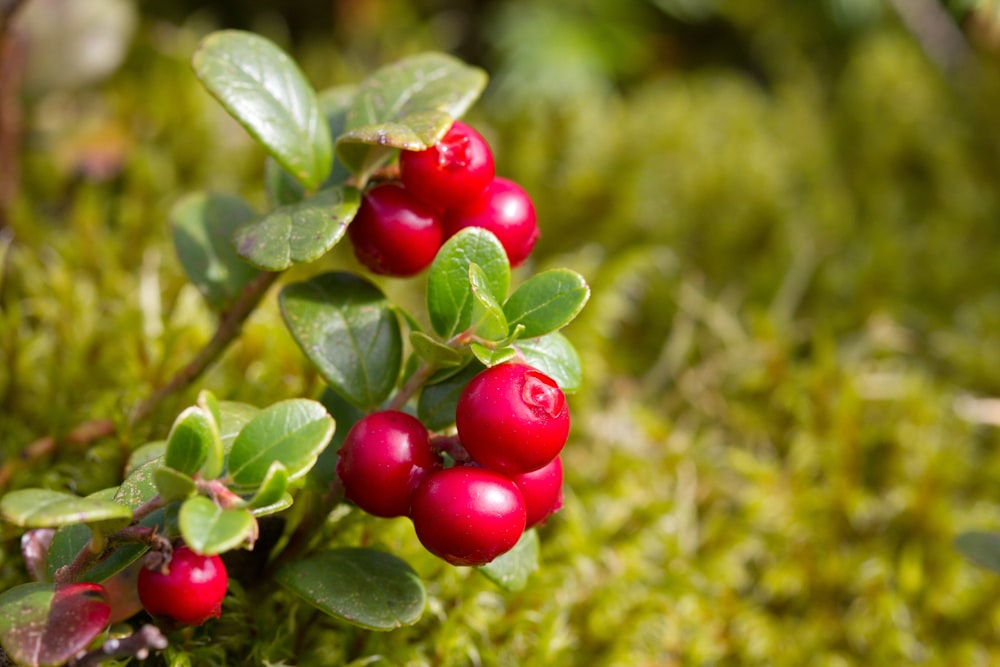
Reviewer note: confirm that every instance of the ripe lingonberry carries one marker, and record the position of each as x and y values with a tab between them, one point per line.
384	457
542	491
189	591
467	515
512	418
394	233
505	209
452	172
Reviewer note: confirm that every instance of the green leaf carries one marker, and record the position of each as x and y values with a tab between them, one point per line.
434	352
263	89
365	587
144	454
488	319
555	356
189	440
233	416
491	357
547	302
46	625
450	297
173	484
345	416
406	105
208	529
272	488
510	571
300	232
292	432
281	504
43	508
438	402
981	548
203	224
215	456
140	485
347	328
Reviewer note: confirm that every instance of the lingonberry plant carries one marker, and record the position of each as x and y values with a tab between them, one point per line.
454	417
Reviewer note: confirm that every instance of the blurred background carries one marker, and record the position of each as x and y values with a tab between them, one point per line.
788	211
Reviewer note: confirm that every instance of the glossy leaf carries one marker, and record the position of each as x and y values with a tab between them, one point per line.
203	224
214	462
44	508
189	440
144	454
346	327
555	356
511	571
434	352
406	105
981	548
547	302
272	488
263	89
488	319
492	357
140	485
438	402
345	416
209	529
233	417
45	624
449	293
279	505
365	587
172	484
300	232
292	432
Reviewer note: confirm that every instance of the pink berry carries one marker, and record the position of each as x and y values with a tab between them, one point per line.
542	491
394	233
452	172
505	209
512	418
189	592
384	457
467	515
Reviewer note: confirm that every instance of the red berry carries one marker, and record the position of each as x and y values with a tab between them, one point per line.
542	491
189	592
467	515
383	459
505	209
452	172
512	418
394	233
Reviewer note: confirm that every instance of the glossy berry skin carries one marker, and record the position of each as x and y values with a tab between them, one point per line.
542	491
191	590
505	209
467	515
452	172
384	457
512	418
394	233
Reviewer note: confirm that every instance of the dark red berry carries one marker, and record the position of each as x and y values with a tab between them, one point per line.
505	209
542	491
190	591
383	459
467	515
452	172
512	418
394	233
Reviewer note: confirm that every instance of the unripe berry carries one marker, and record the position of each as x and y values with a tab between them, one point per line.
384	457
505	209
467	515
189	592
542	491
512	418
452	172
394	233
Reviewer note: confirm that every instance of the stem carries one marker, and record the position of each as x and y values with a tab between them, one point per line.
90	555
413	384
229	329
450	445
147	508
137	645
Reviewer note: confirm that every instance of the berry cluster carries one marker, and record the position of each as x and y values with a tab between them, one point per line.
512	423
452	185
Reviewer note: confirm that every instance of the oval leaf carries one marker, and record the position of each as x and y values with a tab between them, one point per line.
438	402
547	302
189	440
347	328
434	352
449	293
203	225
263	89
510	571
272	489
555	356
365	587
292	432
173	484
215	457
488	319
42	624
407	105
233	416
43	508
300	232
208	529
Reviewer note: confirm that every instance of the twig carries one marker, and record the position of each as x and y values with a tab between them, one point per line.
137	645
940	38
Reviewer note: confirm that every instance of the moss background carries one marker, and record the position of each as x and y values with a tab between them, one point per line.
789	214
